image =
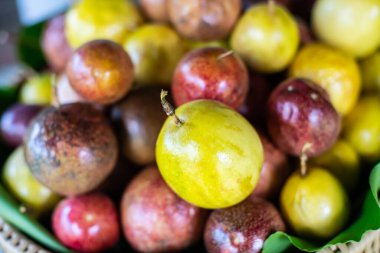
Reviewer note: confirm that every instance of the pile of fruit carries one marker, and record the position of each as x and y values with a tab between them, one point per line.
195	125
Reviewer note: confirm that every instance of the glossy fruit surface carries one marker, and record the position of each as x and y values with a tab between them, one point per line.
86	223
343	162
299	113
362	128
204	20
252	37
156	10
210	73
314	205
16	176
155	50
15	121
242	228
92	19
70	149
350	25
213	159
370	71
333	70
100	71
141	117
274	172
155	219
54	44
37	90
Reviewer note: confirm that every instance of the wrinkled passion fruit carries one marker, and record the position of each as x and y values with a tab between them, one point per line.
70	149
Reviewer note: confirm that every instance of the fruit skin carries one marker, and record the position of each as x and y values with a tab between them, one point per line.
252	38
63	92
362	128
343	162
202	75
14	122
70	149
333	70
16	176
155	50
315	205
86	223
100	71
274	172
85	22
350	25
156	10
37	90
242	228
54	44
155	219
370	72
141	117
204	20
213	160
299	112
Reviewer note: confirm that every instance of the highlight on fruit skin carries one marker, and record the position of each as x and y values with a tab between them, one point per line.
89	20
253	37
213	158
333	70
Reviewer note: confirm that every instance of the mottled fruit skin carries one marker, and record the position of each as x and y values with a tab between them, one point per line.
213	159
206	73
362	128
155	10
89	20
300	112
155	50
315	205
142	117
331	69
358	35
242	228
100	71
274	172
54	44
70	149
204	20
86	223
254	33
15	121
16	176
155	219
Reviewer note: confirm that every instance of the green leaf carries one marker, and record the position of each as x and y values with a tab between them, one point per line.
29	46
369	219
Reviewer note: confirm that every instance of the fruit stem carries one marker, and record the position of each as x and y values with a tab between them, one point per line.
168	108
271	4
303	158
224	55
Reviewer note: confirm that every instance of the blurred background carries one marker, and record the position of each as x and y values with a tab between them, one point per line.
17	13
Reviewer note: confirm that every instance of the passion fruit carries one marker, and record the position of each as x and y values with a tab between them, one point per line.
70	149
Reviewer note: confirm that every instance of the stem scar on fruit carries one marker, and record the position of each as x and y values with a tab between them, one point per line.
303	158
168	108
